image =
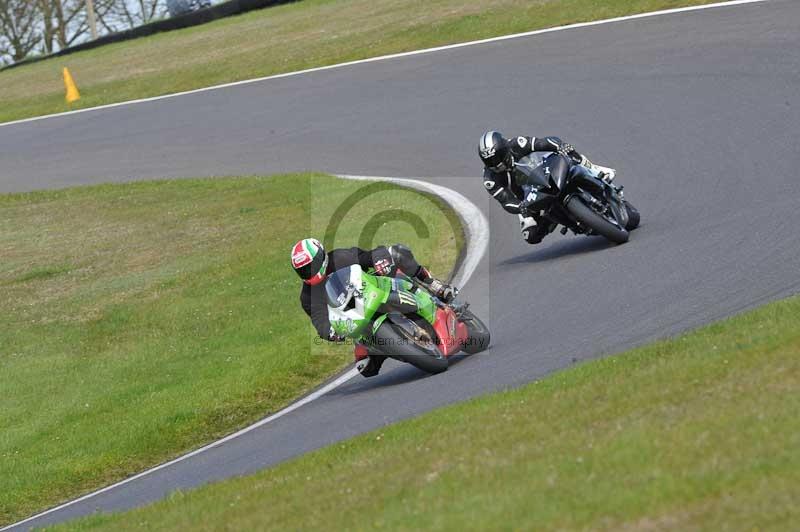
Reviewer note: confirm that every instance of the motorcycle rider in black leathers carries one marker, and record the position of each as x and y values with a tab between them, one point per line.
313	264
499	155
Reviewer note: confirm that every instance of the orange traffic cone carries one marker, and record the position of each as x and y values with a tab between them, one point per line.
72	89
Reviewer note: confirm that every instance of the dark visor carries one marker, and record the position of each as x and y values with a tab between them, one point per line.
496	162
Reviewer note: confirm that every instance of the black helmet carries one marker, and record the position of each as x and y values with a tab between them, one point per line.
493	150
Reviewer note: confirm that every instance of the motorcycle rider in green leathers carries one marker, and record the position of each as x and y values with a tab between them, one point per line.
313	264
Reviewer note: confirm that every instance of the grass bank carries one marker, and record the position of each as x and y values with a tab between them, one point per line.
142	320
306	34
695	433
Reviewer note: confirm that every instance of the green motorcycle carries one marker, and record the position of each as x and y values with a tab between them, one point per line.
398	318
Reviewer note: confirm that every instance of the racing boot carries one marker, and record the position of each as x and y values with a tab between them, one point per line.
532	232
603	172
371	366
526	224
368	364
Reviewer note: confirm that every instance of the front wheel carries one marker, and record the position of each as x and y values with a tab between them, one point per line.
595	221
633	216
421	352
479	335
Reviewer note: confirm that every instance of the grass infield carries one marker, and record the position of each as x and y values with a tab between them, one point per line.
286	38
698	432
140	321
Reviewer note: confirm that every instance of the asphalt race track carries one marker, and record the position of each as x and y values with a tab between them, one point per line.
699	112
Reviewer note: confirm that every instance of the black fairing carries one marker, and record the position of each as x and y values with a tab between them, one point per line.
533	177
580	178
550	179
582	181
533	174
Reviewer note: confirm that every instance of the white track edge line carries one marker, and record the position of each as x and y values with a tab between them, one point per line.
389	56
476	226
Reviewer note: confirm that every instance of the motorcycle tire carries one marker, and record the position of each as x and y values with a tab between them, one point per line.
479	335
633	216
588	217
396	345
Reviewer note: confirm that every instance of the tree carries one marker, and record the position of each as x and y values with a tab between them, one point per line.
65	22
47	26
126	14
20	30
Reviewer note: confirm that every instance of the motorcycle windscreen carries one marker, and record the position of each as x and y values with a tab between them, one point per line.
338	289
530	170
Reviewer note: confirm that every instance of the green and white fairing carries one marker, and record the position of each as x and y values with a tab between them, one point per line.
358	302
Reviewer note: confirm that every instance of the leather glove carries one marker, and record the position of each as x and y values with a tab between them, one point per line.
566	148
443	291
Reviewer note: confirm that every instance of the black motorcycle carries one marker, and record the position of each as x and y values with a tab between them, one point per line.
560	191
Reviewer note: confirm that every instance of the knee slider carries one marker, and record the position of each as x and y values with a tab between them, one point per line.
531	236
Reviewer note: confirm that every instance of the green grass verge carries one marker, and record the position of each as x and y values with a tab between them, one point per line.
142	320
700	432
286	38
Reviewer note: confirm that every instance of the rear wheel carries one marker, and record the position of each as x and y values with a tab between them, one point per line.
414	346
596	221
479	335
